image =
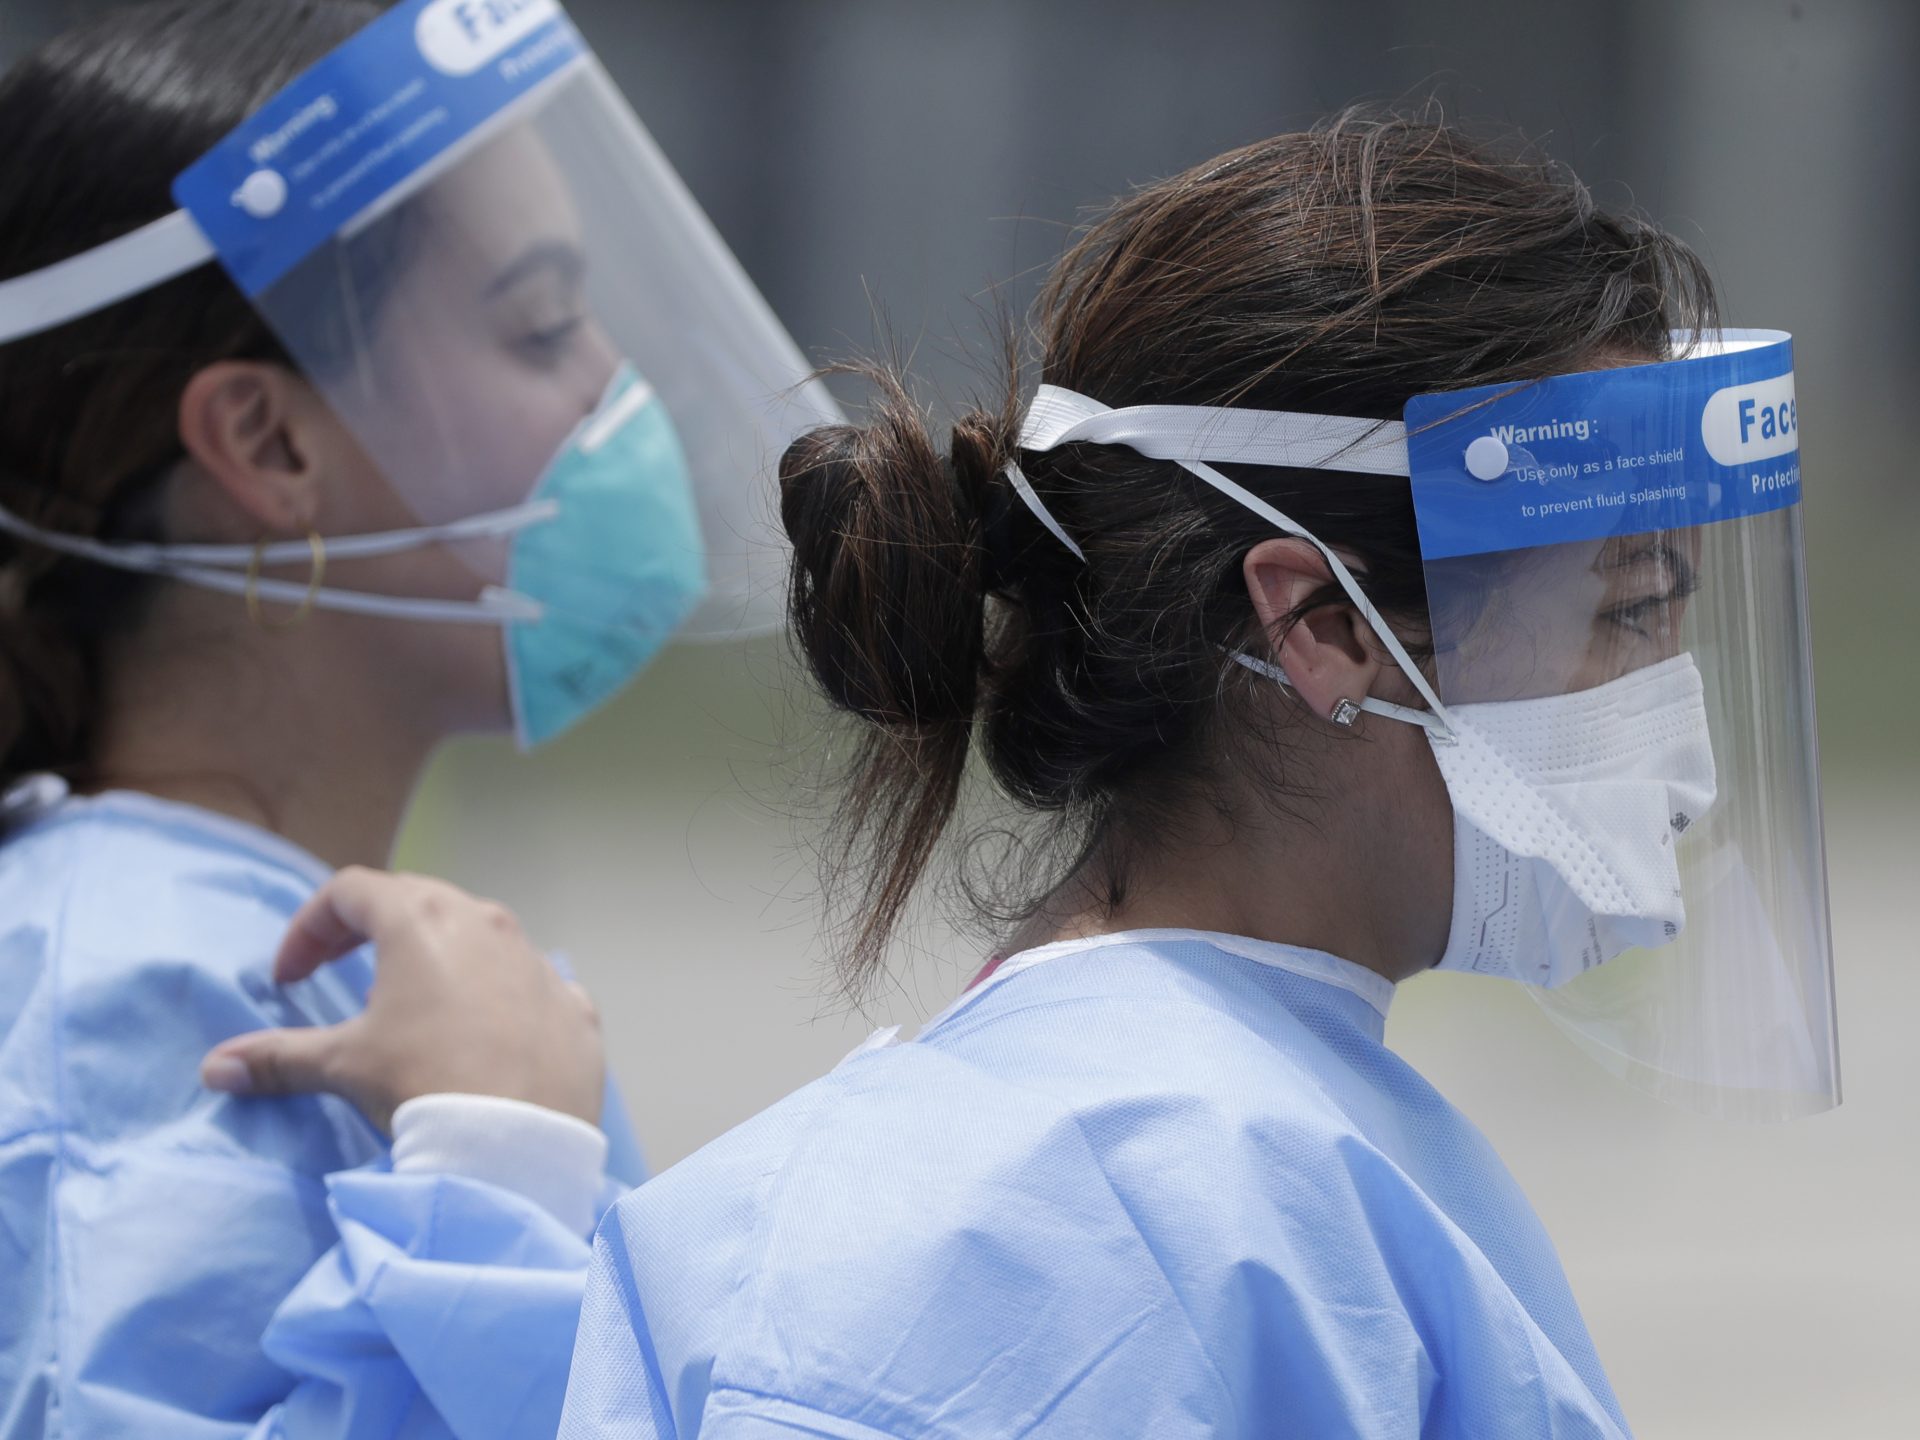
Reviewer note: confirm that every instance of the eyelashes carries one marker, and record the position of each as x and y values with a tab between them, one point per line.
546	346
1645	615
1637	617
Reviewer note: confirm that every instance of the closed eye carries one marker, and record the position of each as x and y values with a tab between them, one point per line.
545	346
1646	615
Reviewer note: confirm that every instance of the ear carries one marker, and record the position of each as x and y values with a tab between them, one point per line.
1330	653
252	426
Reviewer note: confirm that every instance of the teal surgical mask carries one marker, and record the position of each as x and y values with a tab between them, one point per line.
615	572
605	561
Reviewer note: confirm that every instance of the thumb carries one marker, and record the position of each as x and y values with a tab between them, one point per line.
276	1062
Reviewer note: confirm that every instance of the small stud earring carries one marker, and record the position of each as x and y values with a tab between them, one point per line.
1345	712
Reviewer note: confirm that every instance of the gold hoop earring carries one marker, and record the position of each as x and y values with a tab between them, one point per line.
257	612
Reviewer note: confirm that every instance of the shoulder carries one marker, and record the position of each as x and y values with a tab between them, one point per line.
882	1239
94	873
1142	1082
1188	1054
1083	1181
1154	1192
106	888
1055	1193
130	943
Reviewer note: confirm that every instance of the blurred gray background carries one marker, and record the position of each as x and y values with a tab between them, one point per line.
929	159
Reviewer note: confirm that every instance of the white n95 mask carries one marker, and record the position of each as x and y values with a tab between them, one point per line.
1567	814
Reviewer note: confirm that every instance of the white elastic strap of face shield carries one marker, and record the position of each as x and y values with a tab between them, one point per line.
102	276
233	568
1191	436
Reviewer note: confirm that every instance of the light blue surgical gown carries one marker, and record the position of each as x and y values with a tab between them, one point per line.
1169	1185
179	1265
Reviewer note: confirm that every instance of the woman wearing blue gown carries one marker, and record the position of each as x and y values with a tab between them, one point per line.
254	568
1155	1172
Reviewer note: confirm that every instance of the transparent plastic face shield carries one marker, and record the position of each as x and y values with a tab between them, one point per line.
1674	544
465	326
1618	606
468	243
1735	1014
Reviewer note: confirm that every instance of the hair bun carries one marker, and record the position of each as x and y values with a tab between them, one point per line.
888	599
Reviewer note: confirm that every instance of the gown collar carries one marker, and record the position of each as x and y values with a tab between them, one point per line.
1316	965
39	798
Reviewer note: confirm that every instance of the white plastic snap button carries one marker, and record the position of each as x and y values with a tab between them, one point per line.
262	194
1487	458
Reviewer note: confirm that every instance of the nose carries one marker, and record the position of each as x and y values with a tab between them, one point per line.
599	358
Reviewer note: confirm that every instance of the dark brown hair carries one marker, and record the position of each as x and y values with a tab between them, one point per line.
107	115
1339	271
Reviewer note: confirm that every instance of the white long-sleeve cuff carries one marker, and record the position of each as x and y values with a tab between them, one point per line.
554	1160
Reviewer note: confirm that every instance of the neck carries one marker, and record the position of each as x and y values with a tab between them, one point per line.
1292	884
266	730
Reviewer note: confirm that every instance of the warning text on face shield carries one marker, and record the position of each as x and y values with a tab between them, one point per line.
1606	500
368	124
1627	451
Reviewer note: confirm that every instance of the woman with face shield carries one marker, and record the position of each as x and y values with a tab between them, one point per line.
263	546
1392	570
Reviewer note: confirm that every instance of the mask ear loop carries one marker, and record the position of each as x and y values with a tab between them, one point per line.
1436	721
1425	719
234	569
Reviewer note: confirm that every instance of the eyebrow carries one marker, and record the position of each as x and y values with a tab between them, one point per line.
1654	547
553	255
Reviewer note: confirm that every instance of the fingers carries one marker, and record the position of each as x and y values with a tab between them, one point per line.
460	996
277	1062
355	906
332	923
